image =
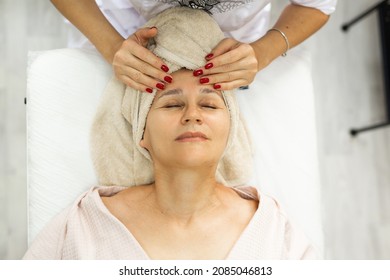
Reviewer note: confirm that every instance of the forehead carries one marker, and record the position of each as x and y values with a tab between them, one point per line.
184	82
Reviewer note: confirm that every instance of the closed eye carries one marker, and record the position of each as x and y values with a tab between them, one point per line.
209	106
173	106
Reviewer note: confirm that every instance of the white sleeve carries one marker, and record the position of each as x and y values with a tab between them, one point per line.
325	6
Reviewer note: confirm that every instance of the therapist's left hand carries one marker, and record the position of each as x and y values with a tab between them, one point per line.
229	65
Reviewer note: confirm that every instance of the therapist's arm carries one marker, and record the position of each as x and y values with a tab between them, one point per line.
236	64
298	23
87	17
133	64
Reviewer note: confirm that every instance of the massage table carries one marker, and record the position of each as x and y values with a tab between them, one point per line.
63	91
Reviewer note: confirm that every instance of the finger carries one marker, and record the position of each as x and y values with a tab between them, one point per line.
150	71
210	69
127	64
138	79
242	53
227	77
230	85
133	49
222	47
131	83
243	69
138	86
229	72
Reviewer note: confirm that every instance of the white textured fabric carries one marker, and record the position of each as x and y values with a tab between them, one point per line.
245	21
87	230
326	6
279	110
63	90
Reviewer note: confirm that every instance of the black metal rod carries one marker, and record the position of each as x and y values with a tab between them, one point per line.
384	28
347	25
356	131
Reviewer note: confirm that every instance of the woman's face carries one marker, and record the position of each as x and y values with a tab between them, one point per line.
188	124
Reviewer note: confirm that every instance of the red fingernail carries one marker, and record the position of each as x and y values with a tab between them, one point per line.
160	86
165	68
168	79
208	65
210	55
149	90
217	86
198	72
204	80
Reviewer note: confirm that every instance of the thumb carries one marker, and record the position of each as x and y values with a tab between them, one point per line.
143	35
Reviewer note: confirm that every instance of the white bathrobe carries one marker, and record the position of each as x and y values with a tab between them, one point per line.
87	230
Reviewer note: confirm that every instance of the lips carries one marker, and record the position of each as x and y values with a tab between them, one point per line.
191	136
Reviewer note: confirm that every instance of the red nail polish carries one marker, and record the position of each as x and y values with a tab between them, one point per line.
165	68
210	55
198	72
208	65
168	79
149	90
160	86
217	86
204	80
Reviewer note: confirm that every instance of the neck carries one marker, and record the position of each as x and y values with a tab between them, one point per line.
185	193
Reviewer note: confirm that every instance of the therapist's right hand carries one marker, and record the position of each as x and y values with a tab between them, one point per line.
138	67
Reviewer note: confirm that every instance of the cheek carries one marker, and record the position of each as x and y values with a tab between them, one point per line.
221	125
154	131
146	142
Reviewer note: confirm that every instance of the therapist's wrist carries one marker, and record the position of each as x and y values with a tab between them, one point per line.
268	48
109	50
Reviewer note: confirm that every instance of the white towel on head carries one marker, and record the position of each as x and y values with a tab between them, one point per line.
184	38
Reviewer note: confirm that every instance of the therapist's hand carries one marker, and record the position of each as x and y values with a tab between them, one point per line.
138	67
230	64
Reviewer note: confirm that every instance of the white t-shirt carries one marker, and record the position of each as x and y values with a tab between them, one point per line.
246	21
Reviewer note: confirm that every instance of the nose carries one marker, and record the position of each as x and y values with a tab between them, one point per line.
192	115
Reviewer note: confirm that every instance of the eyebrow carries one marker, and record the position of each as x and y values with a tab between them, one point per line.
209	90
171	92
179	91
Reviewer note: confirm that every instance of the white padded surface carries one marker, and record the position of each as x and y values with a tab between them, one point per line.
63	91
280	114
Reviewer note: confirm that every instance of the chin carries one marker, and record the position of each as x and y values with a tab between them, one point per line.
191	156
195	160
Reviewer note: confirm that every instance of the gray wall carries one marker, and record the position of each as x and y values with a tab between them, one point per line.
355	172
